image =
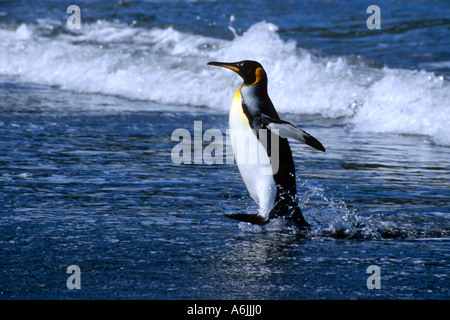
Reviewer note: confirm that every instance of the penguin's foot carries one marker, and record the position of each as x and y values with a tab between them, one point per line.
246	217
299	220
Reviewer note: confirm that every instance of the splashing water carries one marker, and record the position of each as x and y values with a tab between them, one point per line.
333	218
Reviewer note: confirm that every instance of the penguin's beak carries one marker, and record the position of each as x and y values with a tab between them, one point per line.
231	66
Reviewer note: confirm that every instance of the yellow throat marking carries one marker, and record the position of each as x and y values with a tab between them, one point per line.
236	107
236	110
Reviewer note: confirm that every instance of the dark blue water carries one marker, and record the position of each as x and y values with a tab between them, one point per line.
87	179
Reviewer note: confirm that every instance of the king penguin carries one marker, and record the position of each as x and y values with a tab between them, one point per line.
252	113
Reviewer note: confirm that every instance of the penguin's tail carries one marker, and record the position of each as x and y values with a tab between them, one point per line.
298	219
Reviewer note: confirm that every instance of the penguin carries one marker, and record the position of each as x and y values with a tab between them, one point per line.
253	113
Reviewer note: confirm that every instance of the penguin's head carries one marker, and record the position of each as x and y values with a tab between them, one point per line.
251	72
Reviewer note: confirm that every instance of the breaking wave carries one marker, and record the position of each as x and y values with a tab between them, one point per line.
169	67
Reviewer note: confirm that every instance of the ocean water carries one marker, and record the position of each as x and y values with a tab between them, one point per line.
86	170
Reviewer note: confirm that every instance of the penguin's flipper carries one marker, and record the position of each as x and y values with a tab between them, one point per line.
246	217
288	130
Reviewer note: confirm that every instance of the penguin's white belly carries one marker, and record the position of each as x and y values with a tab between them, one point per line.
252	159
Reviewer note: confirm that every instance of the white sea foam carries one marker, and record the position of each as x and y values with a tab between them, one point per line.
169	66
